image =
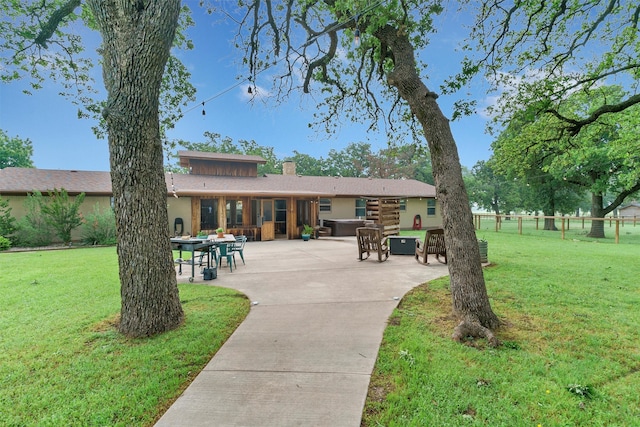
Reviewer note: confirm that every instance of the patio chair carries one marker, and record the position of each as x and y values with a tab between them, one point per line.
433	244
238	246
371	240
226	251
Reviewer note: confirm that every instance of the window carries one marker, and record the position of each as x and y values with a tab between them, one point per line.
303	212
208	214
325	205
281	210
403	204
234	213
361	208
431	207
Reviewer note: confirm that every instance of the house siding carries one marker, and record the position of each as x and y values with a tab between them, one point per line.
418	206
17	205
629	212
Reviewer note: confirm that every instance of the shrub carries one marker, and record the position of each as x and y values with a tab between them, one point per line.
61	213
4	243
32	229
7	222
99	228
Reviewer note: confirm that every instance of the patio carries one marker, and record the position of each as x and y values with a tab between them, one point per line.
305	353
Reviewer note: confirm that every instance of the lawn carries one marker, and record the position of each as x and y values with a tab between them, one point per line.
62	361
571	341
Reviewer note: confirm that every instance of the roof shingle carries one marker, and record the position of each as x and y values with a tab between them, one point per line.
26	180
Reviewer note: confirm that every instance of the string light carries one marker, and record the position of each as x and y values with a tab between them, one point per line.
308	42
173	187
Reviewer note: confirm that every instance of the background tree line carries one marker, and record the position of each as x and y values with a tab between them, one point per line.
358	160
537	166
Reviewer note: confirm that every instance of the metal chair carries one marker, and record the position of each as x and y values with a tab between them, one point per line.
238	246
226	251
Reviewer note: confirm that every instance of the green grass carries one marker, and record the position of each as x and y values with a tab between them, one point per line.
63	363
575	229
571	353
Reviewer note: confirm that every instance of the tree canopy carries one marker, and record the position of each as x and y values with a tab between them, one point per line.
15	152
540	52
602	158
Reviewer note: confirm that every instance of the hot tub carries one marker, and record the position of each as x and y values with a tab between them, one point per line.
344	227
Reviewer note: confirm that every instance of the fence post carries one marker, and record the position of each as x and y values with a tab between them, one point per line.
562	228
519	225
618	230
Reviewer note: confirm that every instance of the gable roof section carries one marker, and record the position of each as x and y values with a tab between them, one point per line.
26	180
633	204
283	185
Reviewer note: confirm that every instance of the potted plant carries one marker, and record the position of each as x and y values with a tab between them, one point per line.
220	232
201	235
307	231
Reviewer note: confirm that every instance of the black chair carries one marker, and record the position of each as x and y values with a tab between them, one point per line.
178	223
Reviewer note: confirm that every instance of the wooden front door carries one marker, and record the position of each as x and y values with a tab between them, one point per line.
267	230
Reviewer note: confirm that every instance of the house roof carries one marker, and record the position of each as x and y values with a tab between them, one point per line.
633	204
26	180
201	155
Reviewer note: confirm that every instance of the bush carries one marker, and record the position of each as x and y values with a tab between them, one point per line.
7	222
61	213
32	229
4	243
99	227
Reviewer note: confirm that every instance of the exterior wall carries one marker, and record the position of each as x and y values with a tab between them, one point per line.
16	203
419	207
179	208
341	208
629	212
222	168
345	208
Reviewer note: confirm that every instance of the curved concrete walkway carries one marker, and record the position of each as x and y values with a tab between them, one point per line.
305	353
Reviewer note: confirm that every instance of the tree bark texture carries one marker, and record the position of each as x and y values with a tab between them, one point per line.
468	289
137	38
597	211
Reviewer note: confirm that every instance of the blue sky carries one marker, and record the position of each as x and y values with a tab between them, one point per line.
62	141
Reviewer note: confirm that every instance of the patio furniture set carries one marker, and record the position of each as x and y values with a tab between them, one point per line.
370	240
211	251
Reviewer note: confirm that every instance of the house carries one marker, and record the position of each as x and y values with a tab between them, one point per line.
225	190
632	210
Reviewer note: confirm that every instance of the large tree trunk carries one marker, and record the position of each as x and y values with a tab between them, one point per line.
137	37
597	211
468	289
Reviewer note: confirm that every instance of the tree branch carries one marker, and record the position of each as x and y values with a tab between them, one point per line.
47	30
576	125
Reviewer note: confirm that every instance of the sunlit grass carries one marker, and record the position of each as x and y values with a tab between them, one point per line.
62	362
570	355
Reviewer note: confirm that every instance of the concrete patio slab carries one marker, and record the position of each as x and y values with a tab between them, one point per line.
305	353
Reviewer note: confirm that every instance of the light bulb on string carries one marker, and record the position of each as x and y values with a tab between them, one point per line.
204	113
356	34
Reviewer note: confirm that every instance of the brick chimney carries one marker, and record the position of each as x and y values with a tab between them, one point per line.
288	167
